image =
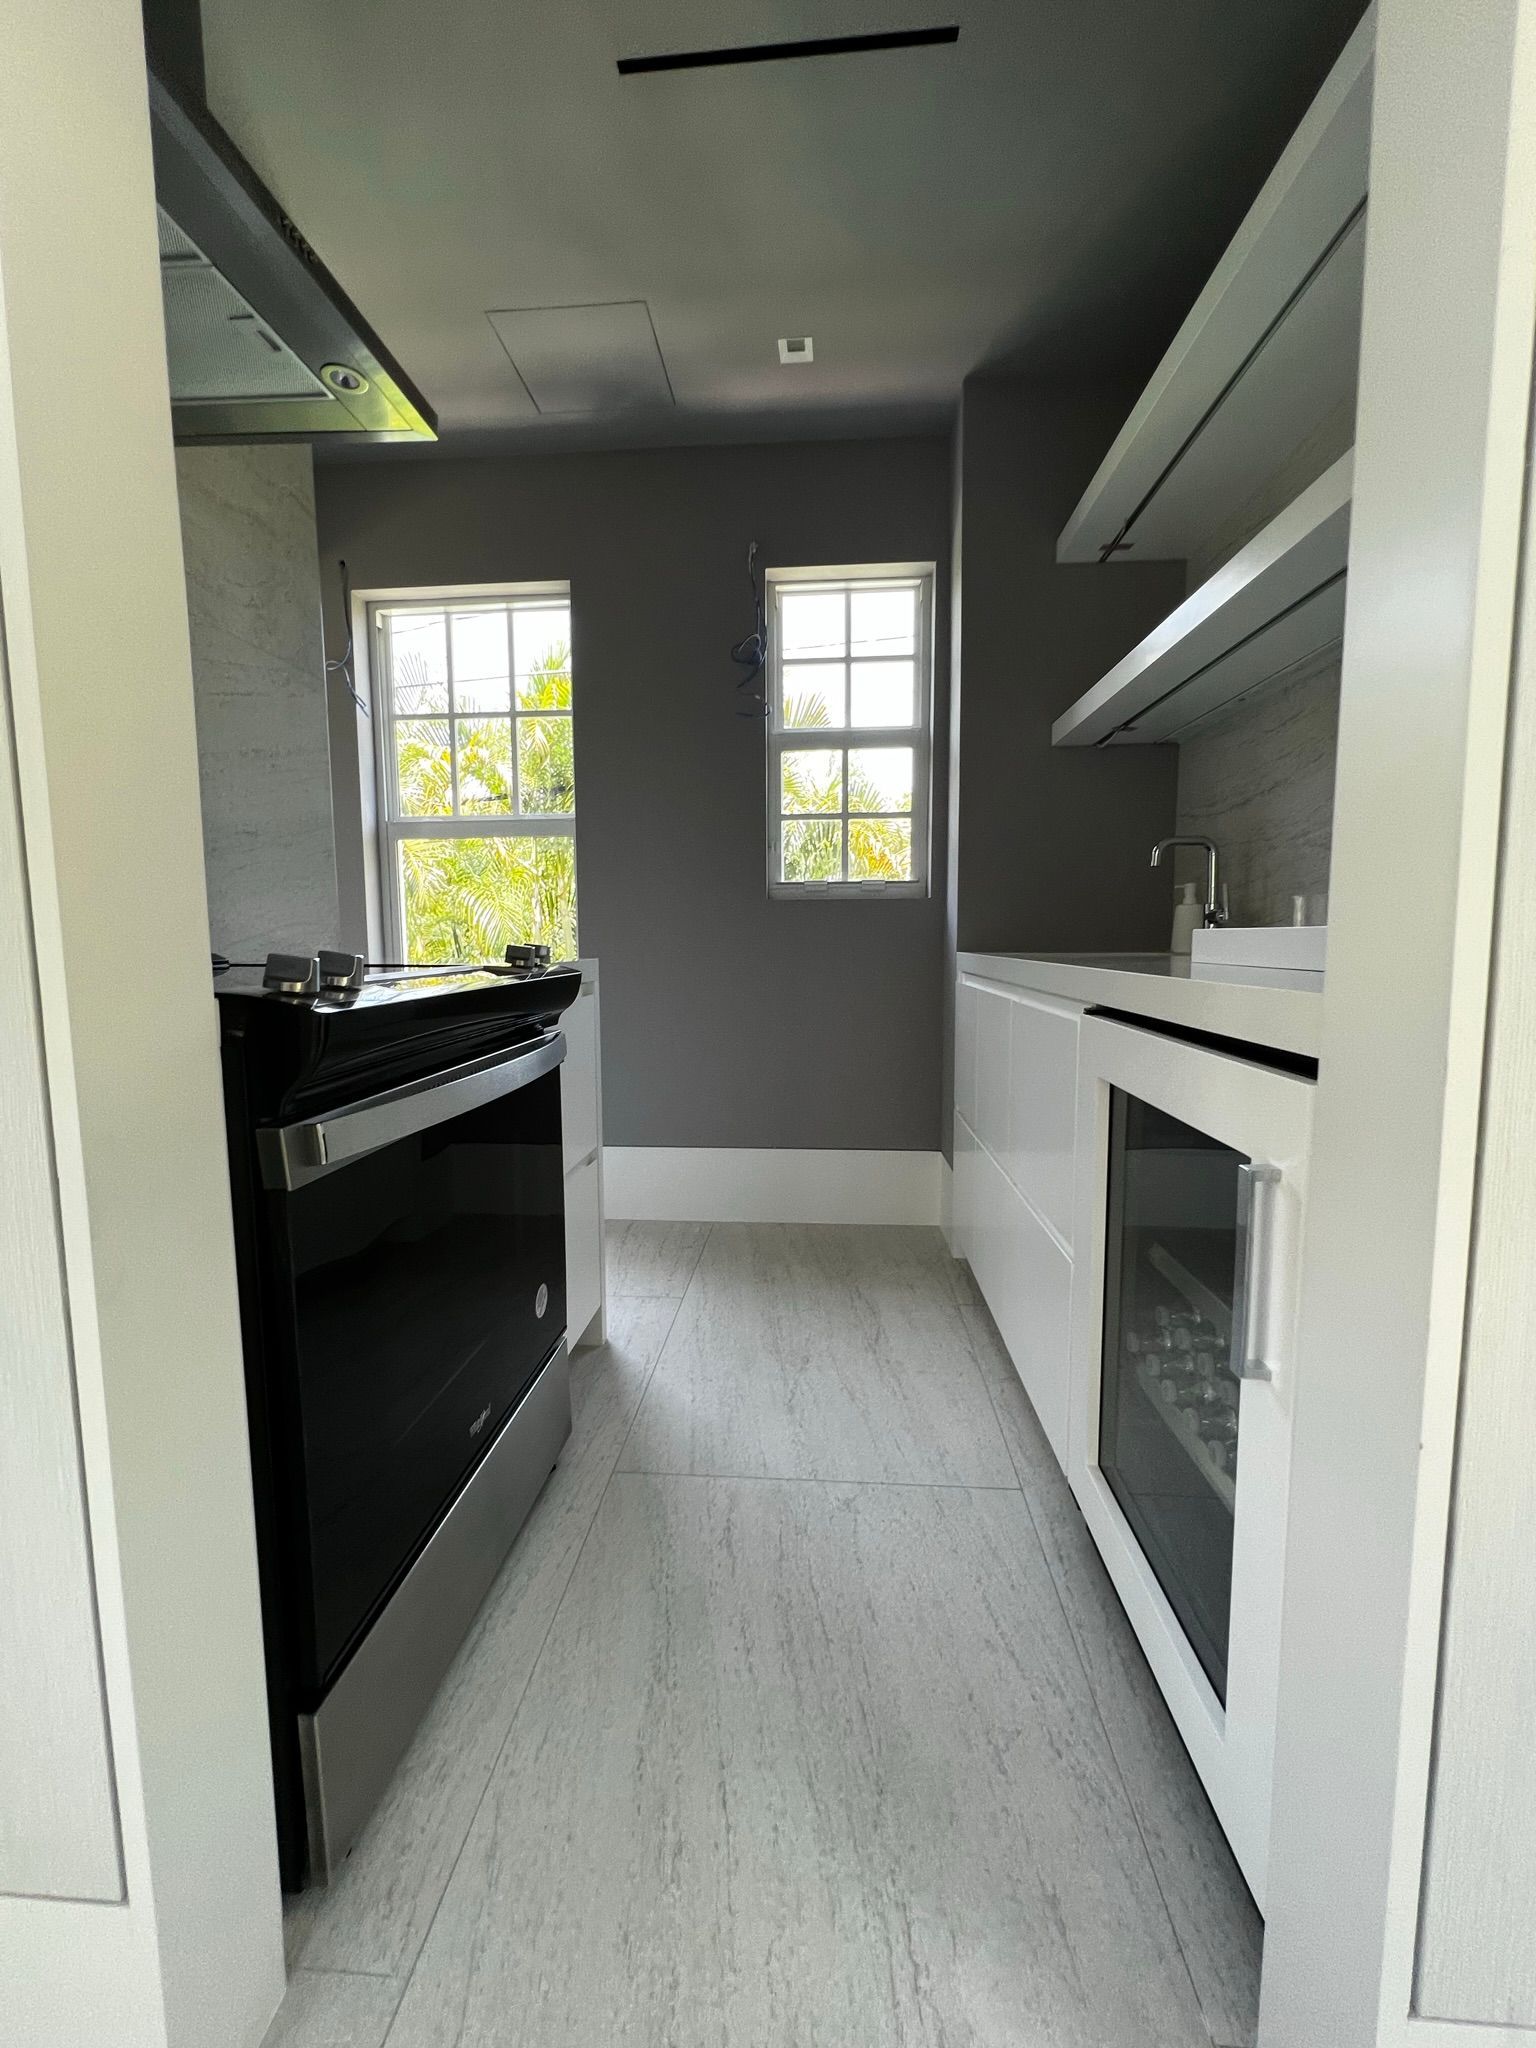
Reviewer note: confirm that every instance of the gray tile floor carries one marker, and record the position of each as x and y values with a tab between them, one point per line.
802	1716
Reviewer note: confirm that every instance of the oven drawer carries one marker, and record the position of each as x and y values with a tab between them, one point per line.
351	1744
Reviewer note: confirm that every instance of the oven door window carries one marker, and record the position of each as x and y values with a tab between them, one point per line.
428	1286
1169	1414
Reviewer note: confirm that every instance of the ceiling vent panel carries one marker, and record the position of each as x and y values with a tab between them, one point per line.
780	53
589	360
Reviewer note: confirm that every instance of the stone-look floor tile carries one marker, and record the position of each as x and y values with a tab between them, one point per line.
1028	1445
1213	1914
653	1258
331	2009
376	1912
820	1355
862	1265
804	1767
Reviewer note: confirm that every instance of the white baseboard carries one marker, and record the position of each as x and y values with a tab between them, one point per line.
709	1184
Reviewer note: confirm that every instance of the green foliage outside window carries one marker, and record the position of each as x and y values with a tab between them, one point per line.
879	849
466	899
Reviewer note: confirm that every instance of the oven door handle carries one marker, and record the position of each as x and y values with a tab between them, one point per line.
294	1154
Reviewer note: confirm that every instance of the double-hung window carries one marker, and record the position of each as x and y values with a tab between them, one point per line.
476	766
850	711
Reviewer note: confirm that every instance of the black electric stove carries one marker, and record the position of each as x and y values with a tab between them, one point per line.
395	1158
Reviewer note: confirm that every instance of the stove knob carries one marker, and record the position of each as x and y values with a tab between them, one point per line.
292	974
341	971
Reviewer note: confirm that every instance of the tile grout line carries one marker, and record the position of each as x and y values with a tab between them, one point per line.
421	1949
303	1969
1098	1711
822	1479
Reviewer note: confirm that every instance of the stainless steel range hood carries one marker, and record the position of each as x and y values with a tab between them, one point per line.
262	342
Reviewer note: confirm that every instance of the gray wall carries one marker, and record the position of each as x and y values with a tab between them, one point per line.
727	1019
1049	845
1260	783
258	671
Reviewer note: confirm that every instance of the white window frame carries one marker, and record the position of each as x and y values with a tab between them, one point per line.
919	736
392	826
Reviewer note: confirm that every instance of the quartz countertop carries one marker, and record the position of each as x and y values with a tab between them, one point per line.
1270	1006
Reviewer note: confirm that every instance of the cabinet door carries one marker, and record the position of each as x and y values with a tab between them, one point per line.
1190	1200
965	1050
963	1220
1026	1280
991	1120
578	1080
583	1250
1042	1107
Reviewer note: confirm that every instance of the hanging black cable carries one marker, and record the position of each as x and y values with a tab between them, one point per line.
751	654
343	667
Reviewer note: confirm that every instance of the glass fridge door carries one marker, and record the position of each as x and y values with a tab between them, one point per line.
1169	1414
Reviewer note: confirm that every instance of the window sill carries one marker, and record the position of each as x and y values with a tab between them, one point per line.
845	892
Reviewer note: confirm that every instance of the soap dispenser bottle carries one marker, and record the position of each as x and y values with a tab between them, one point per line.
1187	919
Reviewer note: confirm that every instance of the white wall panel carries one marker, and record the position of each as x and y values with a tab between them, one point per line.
1477	1937
58	1821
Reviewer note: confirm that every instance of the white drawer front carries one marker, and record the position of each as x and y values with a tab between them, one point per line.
991	1120
1038	1154
1026	1279
578	1080
963	1221
583	1250
965	1050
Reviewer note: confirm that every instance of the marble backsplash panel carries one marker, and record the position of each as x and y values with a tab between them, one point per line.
258	673
1259	781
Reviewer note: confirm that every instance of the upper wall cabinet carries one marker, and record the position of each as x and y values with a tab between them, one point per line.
1269	351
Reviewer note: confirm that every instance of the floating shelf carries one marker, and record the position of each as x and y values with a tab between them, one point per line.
1277	602
1268	353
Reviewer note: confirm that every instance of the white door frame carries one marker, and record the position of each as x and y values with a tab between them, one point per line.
1440	490
188	1952
1265	1115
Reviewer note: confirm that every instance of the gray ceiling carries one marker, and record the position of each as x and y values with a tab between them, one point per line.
1048	192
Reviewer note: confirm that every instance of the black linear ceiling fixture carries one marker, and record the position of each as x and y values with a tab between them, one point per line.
777	53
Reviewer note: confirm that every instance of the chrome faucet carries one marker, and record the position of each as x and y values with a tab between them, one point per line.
1214	914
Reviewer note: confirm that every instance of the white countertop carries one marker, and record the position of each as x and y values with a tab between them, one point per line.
1273	1006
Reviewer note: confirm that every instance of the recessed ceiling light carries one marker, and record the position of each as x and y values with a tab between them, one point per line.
796	348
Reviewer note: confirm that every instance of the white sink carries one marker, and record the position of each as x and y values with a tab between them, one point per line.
1303	946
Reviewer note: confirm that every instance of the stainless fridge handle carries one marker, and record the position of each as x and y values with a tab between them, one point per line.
294	1154
1255	1185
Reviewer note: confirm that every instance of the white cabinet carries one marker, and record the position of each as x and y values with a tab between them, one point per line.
1026	1280
584	1251
965	1049
1015	1121
991	1120
581	1118
1038	1146
579	1085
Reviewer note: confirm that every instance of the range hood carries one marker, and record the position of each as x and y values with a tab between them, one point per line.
262	342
